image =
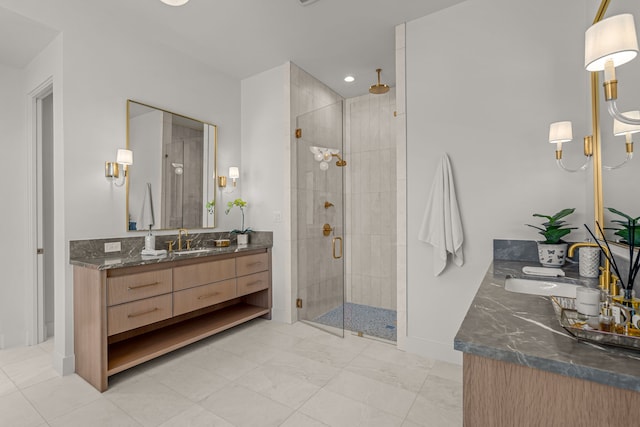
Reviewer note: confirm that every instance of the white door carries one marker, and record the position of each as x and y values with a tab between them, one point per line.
44	215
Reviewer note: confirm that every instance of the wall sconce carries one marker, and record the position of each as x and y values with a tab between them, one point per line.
112	169
608	44
234	174
560	132
620	129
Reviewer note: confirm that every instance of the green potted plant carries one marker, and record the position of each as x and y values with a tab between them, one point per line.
242	233
630	234
630	228
552	251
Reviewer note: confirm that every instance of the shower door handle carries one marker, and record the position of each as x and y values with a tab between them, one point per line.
333	245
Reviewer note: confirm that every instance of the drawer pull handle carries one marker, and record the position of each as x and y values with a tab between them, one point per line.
254	263
142	313
256	282
208	295
132	288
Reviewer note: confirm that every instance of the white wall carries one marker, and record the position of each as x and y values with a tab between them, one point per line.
265	172
13	192
484	80
115	68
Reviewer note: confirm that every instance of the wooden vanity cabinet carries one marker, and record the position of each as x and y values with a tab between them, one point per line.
127	316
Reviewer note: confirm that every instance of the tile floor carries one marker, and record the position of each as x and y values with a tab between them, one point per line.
255	375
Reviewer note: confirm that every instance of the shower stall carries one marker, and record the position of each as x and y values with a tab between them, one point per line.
345	211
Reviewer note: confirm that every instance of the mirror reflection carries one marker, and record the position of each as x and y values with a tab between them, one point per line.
619	178
618	185
173	176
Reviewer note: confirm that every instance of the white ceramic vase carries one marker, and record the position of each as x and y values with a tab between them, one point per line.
243	239
552	255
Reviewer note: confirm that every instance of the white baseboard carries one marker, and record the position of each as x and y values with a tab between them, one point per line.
64	365
282	316
49	330
11	339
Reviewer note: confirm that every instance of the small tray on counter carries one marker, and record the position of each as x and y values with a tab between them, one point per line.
565	309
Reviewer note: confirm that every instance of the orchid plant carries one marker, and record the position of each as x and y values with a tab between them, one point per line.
211	205
241	204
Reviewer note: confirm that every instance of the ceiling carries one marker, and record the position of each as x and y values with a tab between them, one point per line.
328	38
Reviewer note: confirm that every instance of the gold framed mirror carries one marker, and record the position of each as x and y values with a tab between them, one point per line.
174	171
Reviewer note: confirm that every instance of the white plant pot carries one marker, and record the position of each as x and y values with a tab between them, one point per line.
552	255
243	239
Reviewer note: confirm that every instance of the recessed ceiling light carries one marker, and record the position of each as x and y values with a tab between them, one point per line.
174	2
349	79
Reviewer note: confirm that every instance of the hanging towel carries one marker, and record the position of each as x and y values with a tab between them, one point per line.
146	218
441	226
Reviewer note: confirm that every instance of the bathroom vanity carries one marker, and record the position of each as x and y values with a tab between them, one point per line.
130	310
520	367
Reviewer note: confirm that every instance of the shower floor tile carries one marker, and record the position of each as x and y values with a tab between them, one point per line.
372	321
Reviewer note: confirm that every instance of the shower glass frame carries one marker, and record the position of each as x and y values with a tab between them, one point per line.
320	201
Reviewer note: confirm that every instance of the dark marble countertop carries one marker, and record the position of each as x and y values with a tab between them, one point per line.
523	329
131	259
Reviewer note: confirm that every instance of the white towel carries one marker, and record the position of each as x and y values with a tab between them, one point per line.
146	218
441	225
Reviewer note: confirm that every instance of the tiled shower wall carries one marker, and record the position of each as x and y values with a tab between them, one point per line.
370	189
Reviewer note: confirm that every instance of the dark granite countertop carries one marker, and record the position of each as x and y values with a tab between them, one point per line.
523	329
131	259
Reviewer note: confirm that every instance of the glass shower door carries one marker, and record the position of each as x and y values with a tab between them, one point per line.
320	218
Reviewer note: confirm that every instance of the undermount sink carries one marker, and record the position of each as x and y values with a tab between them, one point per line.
540	287
191	251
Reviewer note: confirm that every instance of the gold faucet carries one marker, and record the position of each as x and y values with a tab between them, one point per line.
180	232
607	280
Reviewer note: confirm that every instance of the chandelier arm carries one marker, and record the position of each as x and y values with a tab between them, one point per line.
624	162
580	169
616	114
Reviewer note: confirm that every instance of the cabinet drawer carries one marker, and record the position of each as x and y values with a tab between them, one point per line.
132	315
137	286
203	296
189	276
253	283
250	264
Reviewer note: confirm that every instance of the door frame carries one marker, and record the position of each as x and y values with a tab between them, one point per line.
35	293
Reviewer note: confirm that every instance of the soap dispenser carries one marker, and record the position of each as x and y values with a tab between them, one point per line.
606	318
150	241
